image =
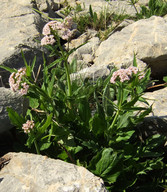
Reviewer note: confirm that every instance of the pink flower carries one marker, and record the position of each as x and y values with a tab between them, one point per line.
68	22
65	30
48	40
46	29
123	74
24	89
15	82
28	126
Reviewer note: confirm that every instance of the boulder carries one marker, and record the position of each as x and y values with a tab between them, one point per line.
10	99
146	38
20	27
85	54
158	100
30	172
117	7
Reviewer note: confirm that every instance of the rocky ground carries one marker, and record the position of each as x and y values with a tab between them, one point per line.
21	29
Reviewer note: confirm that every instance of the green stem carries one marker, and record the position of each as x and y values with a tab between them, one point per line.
115	118
68	78
119	108
36	147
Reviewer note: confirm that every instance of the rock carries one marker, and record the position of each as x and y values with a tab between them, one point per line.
146	37
20	26
156	121
158	101
93	72
30	172
86	51
47	6
8	99
118	7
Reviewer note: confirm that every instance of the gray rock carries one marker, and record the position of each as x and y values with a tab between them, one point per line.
146	37
8	99
85	54
20	26
30	172
158	101
118	7
156	121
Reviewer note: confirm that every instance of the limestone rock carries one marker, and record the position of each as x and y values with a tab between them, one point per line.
30	172
86	51
146	37
158	101
118	7
20	26
8	99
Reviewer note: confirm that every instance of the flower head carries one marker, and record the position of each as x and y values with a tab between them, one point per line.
65	30
46	30
48	40
123	74
15	81
28	126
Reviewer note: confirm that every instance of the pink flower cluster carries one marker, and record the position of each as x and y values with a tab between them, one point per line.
15	82
65	30
124	74
29	125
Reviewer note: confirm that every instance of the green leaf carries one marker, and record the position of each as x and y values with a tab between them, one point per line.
8	69
28	68
84	110
97	124
45	146
54	63
33	63
134	60
91	11
51	83
107	97
165	78
106	164
30	140
15	118
46	124
95	17
33	103
123	120
125	136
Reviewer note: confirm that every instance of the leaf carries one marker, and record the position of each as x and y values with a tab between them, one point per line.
125	136
107	97
97	124
33	102
28	68
91	11
30	140
15	118
54	63
33	63
45	146
106	165
165	78
51	83
84	110
124	120
46	124
134	60
95	17
8	69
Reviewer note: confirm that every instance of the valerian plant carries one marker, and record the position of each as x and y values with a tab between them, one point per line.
92	123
